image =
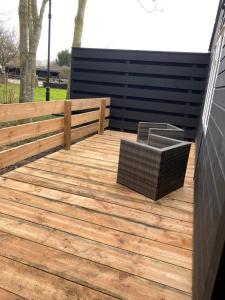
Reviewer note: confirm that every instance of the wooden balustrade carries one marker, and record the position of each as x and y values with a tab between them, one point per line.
82	117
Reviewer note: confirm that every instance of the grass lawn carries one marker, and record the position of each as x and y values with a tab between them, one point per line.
55	94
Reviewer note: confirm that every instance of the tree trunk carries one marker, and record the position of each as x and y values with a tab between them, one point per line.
78	31
30	32
79	23
23	22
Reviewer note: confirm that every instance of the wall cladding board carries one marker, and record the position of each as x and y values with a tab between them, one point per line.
144	85
209	211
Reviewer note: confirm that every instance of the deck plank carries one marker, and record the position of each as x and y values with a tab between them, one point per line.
32	283
70	185
97	276
140	217
106	220
6	295
88	175
178	256
85	229
67	210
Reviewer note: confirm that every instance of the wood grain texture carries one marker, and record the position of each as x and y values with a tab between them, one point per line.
12	156
82	104
33	283
86	130
91	116
19	111
102	115
67	125
17	133
92	273
67	210
6	295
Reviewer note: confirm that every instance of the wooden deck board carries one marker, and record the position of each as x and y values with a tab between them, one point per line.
68	231
6	295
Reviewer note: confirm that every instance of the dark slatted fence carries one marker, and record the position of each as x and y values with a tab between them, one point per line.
209	205
144	85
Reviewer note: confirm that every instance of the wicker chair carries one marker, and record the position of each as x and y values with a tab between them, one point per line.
155	169
163	129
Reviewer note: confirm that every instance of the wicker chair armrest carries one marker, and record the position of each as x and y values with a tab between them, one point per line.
165	143
137	146
177	133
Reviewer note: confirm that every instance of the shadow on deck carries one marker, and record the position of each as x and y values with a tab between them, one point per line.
68	231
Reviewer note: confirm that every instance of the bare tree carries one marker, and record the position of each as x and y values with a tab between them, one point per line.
154	9
30	23
78	30
8	46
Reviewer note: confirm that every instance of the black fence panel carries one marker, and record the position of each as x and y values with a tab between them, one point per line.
143	85
209	204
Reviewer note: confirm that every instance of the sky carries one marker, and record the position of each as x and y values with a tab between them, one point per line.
184	25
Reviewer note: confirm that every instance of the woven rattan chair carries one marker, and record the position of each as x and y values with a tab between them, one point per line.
155	169
163	129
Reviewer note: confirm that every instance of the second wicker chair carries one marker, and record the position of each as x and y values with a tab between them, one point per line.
162	129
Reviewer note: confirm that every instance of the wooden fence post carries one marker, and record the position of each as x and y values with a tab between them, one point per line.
102	117
67	124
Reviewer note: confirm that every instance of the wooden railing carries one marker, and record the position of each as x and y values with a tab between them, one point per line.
90	117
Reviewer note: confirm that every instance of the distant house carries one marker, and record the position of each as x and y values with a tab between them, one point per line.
14	72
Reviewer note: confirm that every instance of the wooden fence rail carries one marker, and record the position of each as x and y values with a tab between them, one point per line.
82	117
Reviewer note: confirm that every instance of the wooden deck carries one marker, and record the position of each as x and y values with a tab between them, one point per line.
68	231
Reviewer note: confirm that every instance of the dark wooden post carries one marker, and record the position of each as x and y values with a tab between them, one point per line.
67	125
102	117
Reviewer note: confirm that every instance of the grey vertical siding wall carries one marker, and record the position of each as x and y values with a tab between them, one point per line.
209	228
144	85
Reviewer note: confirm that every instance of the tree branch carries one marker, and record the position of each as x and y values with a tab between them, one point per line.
42	10
151	10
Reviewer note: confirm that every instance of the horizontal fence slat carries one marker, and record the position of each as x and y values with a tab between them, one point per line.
17	133
154	56
19	111
83	131
153	117
173	83
86	117
12	156
138	104
141	68
132	126
138	92
82	104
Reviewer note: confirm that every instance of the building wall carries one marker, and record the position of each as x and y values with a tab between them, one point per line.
209	216
144	85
